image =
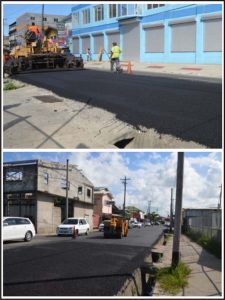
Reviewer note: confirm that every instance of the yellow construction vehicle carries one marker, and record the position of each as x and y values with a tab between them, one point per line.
117	227
40	53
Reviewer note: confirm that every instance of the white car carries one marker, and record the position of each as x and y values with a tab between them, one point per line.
69	225
101	227
137	224
17	228
147	224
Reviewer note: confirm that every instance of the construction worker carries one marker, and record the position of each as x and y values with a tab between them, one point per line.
115	55
34	28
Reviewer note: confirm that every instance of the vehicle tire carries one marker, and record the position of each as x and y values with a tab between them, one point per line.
28	236
87	232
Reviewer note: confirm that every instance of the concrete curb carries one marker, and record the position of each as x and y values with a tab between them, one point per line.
189	70
133	286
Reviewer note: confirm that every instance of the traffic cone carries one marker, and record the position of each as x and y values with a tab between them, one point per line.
129	71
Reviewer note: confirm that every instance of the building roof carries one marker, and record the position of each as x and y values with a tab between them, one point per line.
133	209
48	164
103	190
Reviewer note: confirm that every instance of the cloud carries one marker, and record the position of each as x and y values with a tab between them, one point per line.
153	177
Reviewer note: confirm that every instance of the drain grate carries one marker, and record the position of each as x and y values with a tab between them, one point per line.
48	99
123	143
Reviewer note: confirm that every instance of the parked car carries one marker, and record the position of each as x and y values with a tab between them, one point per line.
79	224
148	223
101	227
18	228
137	224
130	224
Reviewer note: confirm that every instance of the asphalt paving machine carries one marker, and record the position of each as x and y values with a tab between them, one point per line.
40	54
116	227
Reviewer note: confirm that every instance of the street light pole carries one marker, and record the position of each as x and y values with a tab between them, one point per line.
178	210
67	187
171	211
220	196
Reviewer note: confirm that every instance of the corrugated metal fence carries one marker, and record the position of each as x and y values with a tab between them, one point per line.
208	224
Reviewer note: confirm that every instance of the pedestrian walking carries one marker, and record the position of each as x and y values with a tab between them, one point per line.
88	54
115	58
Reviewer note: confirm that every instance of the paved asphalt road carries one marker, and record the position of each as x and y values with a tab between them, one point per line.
190	109
86	266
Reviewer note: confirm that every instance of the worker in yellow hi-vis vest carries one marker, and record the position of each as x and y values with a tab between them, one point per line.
115	58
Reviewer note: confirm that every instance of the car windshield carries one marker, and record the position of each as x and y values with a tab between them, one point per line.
70	221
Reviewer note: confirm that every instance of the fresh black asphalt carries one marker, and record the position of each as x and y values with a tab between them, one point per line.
187	108
86	266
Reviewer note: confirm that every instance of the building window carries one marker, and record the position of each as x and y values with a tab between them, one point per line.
150	6
76	19
122	9
56	20
14	176
44	19
88	193
86	16
80	190
99	12
46	178
112	11
32	18
63	184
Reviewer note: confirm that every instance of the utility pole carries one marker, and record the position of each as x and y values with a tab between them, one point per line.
220	196
42	22
124	181
178	210
67	187
171	211
149	209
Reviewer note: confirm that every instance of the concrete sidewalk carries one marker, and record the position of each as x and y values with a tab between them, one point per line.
205	71
205	278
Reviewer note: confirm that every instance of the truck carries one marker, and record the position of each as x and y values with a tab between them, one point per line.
38	54
116	227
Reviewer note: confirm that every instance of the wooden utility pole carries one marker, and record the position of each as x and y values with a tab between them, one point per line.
171	211
42	22
124	181
67	187
178	210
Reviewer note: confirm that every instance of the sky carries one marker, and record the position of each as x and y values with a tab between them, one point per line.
152	175
12	11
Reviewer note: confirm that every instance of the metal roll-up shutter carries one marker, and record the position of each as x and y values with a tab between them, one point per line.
98	42
85	43
154	39
113	37
213	35
131	41
76	48
184	37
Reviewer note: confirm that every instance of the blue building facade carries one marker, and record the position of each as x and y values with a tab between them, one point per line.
166	33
